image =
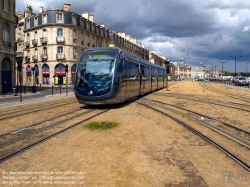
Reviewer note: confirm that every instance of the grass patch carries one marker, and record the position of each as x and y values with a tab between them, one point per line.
101	125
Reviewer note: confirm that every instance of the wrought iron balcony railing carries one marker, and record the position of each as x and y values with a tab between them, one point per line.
60	56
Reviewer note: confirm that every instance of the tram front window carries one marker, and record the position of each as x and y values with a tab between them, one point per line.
95	70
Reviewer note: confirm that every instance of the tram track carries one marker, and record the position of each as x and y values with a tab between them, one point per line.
227	93
233	105
237	144
31	109
30	137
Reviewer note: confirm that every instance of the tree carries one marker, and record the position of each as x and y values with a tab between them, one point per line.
227	73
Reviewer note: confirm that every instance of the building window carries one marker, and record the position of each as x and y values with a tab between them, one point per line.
5	32
60	50
73	19
44	18
45	51
88	42
74	53
82	39
6	42
27	23
6	5
44	33
35	21
87	25
82	22
93	42
59	18
74	36
59	32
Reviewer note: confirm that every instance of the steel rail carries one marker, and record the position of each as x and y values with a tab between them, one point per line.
239	161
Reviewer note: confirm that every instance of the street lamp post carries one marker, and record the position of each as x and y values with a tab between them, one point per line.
235	63
204	86
222	66
167	62
247	69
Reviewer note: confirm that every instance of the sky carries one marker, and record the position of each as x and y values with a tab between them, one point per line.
211	32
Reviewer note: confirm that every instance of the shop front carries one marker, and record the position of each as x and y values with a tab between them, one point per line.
60	74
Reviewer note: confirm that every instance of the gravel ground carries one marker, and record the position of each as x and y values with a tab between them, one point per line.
146	149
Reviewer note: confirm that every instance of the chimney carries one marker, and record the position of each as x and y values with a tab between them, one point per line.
85	15
41	9
28	11
67	7
91	18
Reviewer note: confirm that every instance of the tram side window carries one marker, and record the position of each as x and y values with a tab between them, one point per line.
134	73
146	73
154	75
119	74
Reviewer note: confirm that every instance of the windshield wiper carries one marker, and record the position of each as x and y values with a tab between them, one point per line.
85	81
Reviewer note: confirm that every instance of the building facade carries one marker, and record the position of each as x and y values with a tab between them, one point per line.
7	46
51	39
181	70
156	58
128	43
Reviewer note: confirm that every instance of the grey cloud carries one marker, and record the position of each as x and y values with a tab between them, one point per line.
195	30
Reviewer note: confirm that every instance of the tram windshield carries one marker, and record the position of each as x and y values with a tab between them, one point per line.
95	69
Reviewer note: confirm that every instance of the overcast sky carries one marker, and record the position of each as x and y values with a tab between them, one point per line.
206	31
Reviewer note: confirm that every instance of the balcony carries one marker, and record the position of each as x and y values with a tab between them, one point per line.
60	56
74	40
34	58
60	39
19	54
44	40
74	56
35	42
27	59
44	57
82	42
27	43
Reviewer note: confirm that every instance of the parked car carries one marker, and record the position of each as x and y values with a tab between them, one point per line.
242	81
235	79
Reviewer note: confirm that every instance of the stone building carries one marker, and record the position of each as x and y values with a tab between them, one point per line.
156	58
128	43
7	45
51	39
181	70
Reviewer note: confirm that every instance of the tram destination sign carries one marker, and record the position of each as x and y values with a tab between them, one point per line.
98	56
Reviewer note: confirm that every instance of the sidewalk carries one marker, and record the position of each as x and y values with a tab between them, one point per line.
10	101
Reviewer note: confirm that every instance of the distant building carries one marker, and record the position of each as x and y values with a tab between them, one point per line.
156	58
7	46
128	43
181	70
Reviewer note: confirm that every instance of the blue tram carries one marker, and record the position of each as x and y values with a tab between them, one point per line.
112	75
